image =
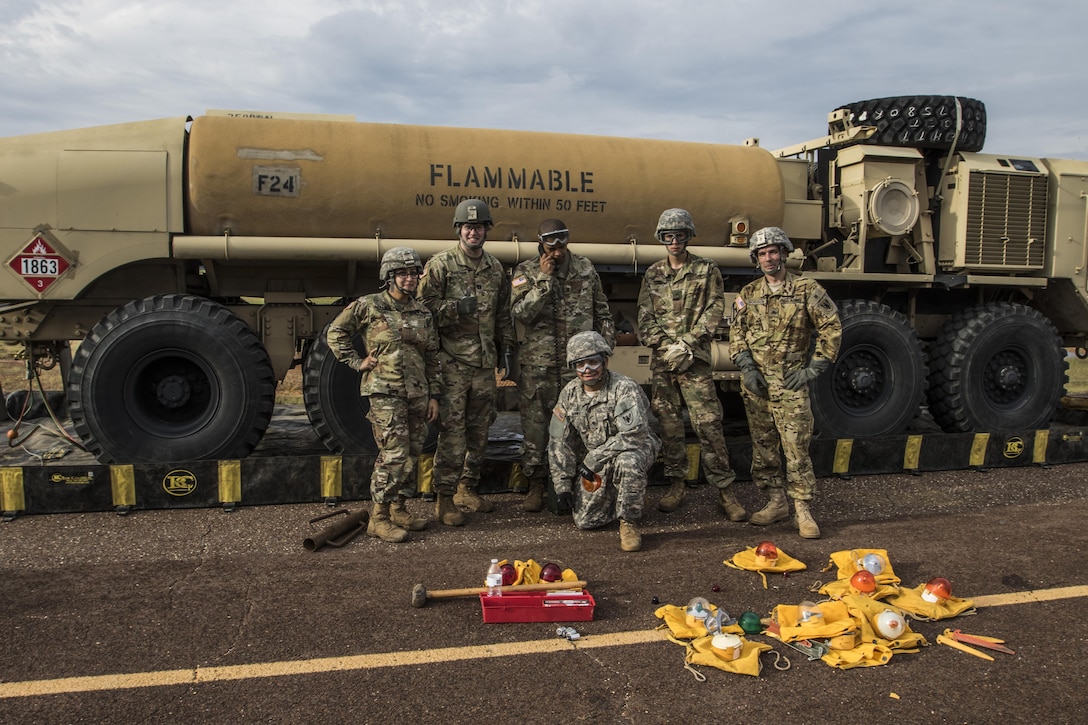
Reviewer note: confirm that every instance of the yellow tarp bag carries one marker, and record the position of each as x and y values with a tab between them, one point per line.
747	560
700	652
841	588
866	610
910	600
836	620
849	562
676	620
529	572
865	654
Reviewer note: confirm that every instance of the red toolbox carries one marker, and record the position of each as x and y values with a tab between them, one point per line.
551	606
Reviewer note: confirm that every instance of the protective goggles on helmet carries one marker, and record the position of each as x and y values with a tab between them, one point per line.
589	364
679	236
553	240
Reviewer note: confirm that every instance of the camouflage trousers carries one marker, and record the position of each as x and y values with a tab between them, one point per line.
400	429
467	410
781	427
538	392
694	387
621	495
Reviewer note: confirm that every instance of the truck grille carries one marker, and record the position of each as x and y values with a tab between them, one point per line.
1006	221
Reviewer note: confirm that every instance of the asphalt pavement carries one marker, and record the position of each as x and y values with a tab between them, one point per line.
200	615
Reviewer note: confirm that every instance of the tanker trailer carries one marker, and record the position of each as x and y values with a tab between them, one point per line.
196	261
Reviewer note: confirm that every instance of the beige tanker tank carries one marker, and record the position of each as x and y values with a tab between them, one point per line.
316	178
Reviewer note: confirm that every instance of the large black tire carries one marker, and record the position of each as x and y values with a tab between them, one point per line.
171	378
876	386
996	367
923	122
330	391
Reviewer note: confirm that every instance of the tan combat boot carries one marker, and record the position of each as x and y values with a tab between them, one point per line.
806	525
534	499
730	506
629	536
777	509
399	515
446	511
380	527
468	498
673	497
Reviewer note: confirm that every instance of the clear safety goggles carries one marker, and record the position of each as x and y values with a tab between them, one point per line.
405	273
589	364
556	239
681	236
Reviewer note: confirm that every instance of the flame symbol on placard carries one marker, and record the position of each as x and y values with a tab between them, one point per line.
39	247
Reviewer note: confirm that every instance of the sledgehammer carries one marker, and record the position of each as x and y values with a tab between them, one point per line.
420	595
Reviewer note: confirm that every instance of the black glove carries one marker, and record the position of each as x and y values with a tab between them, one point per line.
752	380
466	306
564	502
590	480
507	363
797	379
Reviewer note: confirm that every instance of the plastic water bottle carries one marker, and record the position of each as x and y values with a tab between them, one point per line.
494	579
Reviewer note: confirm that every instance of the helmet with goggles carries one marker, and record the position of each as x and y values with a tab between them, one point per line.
586	344
677	222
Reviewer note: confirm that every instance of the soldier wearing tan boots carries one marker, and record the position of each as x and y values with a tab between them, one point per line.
553	297
679	307
401	379
467	291
601	445
771	339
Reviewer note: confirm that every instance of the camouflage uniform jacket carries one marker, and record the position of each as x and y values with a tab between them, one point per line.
400	335
554	307
777	328
686	304
475	339
614	420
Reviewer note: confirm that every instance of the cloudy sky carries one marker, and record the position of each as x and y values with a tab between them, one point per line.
694	70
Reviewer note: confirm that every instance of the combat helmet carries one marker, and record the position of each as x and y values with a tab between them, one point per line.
674	220
768	237
586	344
471	211
399	258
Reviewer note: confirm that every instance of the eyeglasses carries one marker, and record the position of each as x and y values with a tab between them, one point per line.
589	364
474	227
679	237
407	273
558	238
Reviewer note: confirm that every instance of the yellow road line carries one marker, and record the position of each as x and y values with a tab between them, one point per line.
1035	595
196	675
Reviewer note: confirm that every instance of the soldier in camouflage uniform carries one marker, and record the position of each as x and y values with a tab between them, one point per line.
774	321
468	292
552	298
679	308
601	439
401	378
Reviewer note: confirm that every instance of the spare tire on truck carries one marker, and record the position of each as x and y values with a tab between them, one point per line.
922	122
171	378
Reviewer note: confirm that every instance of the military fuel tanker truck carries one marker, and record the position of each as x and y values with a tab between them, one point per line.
191	263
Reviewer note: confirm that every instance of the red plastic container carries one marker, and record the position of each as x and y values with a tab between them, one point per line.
538	607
